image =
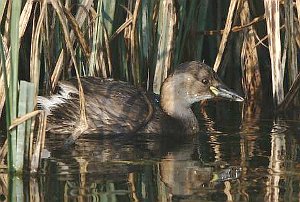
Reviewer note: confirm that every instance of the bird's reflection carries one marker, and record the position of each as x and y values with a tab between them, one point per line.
147	167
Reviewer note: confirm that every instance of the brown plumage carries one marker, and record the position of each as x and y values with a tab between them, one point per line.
114	107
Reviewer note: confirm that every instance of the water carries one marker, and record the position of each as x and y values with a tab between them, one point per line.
254	158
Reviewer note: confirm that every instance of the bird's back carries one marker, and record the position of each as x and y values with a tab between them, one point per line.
112	107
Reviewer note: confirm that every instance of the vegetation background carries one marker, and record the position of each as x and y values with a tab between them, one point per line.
253	45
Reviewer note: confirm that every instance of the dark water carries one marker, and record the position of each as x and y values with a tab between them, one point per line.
249	157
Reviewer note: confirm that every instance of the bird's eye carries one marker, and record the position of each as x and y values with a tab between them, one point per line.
205	81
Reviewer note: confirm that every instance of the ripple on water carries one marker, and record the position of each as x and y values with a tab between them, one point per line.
246	160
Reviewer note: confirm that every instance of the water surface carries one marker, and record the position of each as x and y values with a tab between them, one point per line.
235	157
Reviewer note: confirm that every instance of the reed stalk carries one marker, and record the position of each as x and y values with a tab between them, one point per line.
97	46
5	81
273	28
20	97
225	34
165	40
249	57
2	8
290	36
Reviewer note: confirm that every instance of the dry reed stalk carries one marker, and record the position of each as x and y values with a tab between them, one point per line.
96	60
6	37
6	66
35	52
3	92
41	135
80	18
107	48
83	125
121	28
19	120
260	41
166	27
127	30
292	49
273	28
22	27
285	50
25	16
133	46
78	33
4	181
298	9
100	64
297	32
236	28
2	8
297	24
249	57
2	86
3	152
39	145
35	189
233	4
128	66
294	89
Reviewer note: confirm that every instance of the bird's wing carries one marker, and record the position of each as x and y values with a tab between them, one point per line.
112	107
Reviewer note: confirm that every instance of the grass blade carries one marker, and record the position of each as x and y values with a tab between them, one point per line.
21	128
13	87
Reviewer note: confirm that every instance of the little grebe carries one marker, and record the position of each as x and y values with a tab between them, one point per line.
114	107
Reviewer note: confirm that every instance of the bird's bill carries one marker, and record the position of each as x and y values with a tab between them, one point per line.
224	92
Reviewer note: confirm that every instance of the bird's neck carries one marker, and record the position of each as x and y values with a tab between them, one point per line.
174	106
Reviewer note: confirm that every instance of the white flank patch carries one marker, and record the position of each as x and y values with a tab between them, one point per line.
67	89
51	102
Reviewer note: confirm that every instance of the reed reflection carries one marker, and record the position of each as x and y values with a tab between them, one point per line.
231	160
